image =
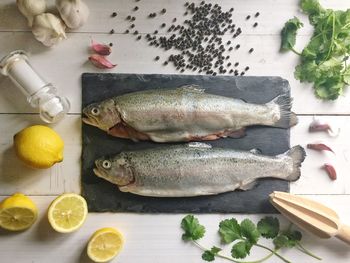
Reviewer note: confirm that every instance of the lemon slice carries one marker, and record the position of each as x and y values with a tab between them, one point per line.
17	212
105	244
67	213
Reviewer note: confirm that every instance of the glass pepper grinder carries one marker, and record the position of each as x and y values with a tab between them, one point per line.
40	93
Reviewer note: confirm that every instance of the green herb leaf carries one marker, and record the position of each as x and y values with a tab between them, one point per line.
193	230
249	231
281	241
241	249
209	255
311	7
269	227
289	33
229	230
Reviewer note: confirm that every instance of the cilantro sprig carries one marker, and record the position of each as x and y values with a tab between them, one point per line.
243	237
324	59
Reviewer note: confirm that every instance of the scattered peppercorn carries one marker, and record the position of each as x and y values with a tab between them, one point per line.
163	25
238	46
163	11
112	31
242	73
174	20
165	63
236	64
156	32
127	31
136	8
157	58
251	50
114	14
139	37
128	17
248	17
255	24
246	68
111	44
136	32
133	18
132	26
257	14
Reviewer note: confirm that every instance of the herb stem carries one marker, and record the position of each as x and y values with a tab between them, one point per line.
332	38
294	51
306	251
274	252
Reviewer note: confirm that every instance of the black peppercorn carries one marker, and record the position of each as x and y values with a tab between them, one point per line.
163	11
136	8
236	64
255	24
111	44
251	50
114	14
157	58
238	46
112	31
163	25
257	14
139	37
128	17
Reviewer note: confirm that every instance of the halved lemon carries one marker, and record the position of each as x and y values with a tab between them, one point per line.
17	212
105	244
67	213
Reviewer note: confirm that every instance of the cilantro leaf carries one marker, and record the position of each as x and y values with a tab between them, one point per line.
289	33
249	231
280	241
241	249
287	239
193	230
269	227
229	230
209	255
311	7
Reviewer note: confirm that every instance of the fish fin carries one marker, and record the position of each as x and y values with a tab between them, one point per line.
237	134
287	117
192	88
246	185
298	154
256	151
199	145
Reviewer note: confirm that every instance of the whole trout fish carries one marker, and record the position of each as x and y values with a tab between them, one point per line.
184	114
195	169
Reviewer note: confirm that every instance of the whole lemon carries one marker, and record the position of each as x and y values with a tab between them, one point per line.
39	146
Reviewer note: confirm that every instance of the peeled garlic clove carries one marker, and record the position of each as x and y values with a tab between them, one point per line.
101	62
101	49
73	12
31	8
48	29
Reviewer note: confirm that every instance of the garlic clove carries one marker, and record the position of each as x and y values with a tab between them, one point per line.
101	49
73	12
31	8
48	29
101	62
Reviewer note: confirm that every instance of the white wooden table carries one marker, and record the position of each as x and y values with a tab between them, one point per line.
154	238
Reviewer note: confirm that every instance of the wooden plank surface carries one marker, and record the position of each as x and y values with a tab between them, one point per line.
154	238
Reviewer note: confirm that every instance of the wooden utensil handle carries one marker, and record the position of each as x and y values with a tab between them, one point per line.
344	234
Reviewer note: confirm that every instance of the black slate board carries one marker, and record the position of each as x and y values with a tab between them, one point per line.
103	196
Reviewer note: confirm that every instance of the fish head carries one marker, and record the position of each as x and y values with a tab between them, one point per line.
116	170
103	115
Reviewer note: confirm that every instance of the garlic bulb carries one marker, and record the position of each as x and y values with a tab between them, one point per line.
48	29
31	8
73	12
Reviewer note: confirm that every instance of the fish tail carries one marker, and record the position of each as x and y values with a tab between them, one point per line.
287	117
298	154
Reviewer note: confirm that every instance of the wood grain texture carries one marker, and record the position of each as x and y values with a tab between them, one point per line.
152	238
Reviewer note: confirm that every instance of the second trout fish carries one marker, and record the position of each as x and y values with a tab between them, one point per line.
184	114
195	169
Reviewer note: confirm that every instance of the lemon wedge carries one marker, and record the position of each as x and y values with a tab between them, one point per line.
67	213
17	212
105	244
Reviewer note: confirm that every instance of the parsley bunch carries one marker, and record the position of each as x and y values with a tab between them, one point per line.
243	237
324	59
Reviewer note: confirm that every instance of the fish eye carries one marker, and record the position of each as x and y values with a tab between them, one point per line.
106	164
95	111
